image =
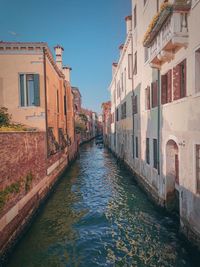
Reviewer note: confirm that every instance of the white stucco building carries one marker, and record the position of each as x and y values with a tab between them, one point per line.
157	131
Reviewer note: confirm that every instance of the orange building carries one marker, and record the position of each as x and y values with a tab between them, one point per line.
36	90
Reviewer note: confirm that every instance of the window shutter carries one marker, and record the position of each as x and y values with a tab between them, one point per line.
169	86
148	98
134	104
185	76
36	90
176	82
22	97
154	94
164	89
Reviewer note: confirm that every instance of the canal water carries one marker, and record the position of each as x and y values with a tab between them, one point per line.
97	216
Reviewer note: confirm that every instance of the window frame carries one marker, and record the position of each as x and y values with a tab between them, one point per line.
25	90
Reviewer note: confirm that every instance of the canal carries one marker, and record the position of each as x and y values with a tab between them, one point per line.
97	216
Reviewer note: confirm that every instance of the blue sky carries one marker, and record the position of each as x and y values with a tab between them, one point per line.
89	30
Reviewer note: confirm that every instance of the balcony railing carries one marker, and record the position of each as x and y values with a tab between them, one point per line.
169	32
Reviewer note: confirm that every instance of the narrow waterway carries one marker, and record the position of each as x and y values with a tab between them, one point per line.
97	216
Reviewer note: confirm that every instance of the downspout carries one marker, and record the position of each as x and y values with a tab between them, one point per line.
132	95
45	100
158	148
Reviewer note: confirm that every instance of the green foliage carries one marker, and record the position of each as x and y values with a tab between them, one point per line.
80	127
5	117
83	117
14	188
5	122
28	181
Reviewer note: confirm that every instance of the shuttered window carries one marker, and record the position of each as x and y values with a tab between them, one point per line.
123	111
198	167
154	94
166	87
147	96
155	154
133	146
136	147
197	70
29	90
147	151
179	80
134	104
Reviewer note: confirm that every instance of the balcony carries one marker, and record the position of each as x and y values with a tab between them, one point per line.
168	32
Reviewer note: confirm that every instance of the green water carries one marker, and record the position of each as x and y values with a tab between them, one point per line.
97	216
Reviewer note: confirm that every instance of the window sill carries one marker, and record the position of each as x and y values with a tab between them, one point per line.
28	107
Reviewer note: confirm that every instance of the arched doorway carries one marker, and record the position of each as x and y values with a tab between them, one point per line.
172	176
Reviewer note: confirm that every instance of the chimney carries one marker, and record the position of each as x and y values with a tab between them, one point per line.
128	20
114	67
121	48
66	71
58	51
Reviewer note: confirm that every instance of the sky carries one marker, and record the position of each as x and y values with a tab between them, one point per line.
89	30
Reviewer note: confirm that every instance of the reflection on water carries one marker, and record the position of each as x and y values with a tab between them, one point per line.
97	216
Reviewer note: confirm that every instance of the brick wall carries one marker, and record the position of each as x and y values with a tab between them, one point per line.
22	154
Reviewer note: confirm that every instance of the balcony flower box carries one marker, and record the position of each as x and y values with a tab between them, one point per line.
156	23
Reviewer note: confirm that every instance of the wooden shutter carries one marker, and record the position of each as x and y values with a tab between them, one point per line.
164	89
36	89
148	98
169	86
176	82
185	76
154	94
22	97
134	104
176	169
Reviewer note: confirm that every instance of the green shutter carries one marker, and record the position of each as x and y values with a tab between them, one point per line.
36	90
21	78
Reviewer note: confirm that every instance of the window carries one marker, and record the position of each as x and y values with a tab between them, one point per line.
125	80
154	94
29	90
135	17
57	101
197	70
146	54
157	5
130	67
147	96
134	104
179	80
122	82
155	154
198	167
136	147
133	146
118	89
65	103
117	114
166	87
147	151
123	111
135	64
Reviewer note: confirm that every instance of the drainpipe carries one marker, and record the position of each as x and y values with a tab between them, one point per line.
132	95
45	100
158	148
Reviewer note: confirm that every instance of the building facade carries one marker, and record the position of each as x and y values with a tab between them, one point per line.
106	122
157	132
37	92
